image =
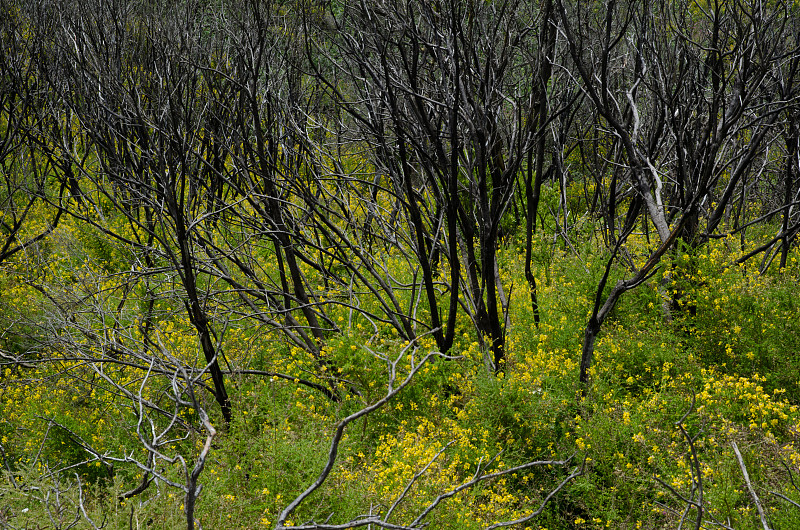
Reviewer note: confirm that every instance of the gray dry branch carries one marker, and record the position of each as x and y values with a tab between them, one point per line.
408	354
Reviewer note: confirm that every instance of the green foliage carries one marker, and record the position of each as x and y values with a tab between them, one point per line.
744	322
729	352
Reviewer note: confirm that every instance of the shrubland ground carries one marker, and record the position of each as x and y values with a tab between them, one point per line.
399	264
668	400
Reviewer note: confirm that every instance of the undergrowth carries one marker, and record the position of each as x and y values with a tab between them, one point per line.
674	386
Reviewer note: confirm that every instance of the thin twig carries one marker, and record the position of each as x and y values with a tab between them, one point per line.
784	497
750	486
479	477
576	473
414	479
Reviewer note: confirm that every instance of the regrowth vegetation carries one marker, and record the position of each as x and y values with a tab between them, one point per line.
399	264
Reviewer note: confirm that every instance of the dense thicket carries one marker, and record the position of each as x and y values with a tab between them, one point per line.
281	249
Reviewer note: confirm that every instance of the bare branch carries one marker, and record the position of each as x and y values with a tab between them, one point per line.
753	494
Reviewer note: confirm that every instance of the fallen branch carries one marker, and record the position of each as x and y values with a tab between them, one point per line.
750	486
